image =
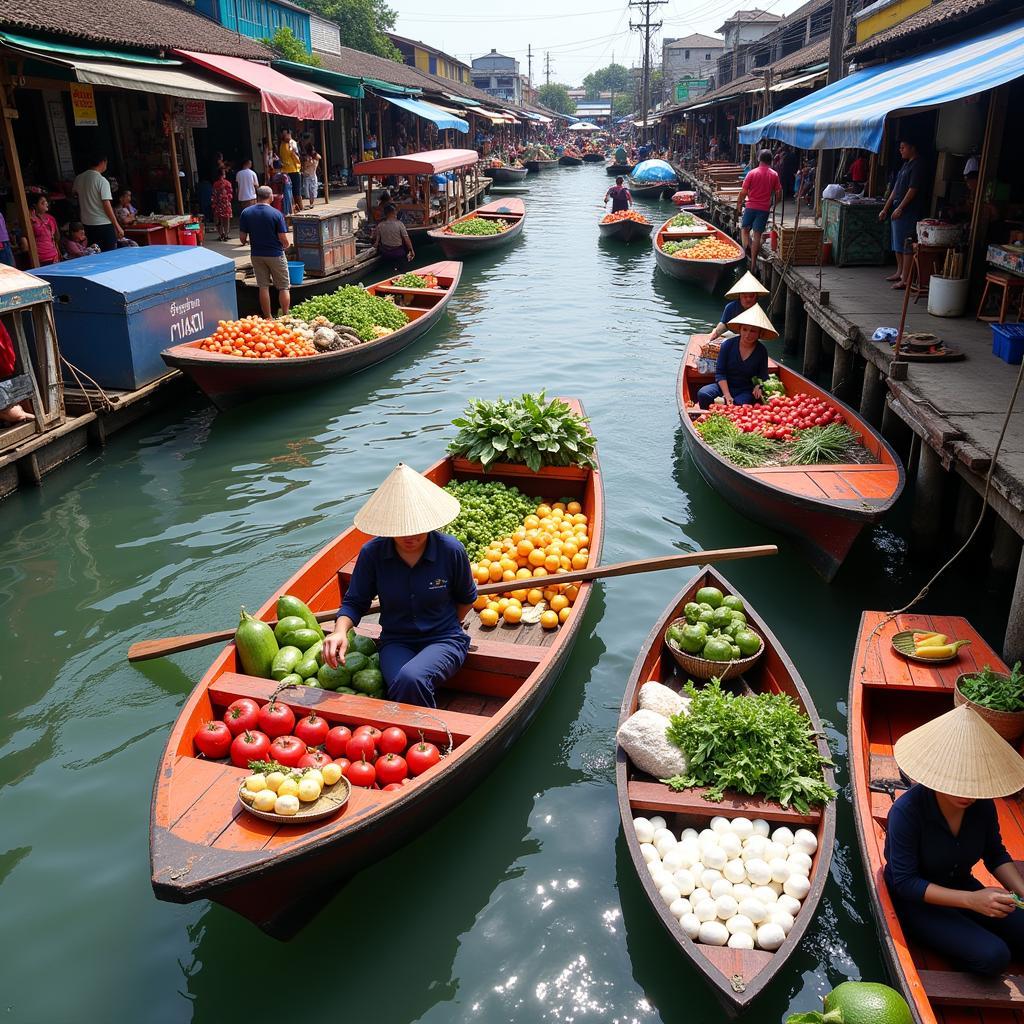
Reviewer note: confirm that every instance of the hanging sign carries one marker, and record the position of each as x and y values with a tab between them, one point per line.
190	113
83	103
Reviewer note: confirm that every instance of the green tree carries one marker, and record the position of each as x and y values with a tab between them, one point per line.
556	98
623	104
364	24
613	78
291	48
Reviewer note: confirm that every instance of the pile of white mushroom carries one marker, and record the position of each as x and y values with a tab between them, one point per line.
732	884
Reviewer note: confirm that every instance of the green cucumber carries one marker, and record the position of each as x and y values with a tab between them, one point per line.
257	647
289	624
284	662
288	605
303	638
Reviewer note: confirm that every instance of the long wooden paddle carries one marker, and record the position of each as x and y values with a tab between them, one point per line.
146	649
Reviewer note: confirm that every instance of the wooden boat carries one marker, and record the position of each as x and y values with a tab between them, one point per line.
736	975
505	173
625	230
593	158
570	161
651	189
204	846
536	166
506	211
613	169
229	380
708	274
823	507
889	696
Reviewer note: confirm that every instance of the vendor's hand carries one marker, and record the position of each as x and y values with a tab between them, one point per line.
882	214
757	392
410	256
728	400
119	230
335	648
991	902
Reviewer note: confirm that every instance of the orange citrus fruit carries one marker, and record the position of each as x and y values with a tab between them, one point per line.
564	614
579	561
536	557
513	614
489	617
481	602
535	596
549	619
574	508
558	602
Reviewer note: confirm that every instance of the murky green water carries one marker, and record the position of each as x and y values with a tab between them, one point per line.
520	906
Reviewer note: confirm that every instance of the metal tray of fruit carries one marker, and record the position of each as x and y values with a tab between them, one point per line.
903	643
332	799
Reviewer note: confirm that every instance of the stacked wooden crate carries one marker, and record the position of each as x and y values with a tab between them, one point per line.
800	247
325	241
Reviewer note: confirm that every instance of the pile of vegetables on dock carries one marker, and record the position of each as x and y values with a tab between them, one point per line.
708	248
531	430
614	218
714	627
735	884
477	226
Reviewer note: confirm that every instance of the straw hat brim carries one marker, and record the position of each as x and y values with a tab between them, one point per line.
406	503
754	317
960	754
746	285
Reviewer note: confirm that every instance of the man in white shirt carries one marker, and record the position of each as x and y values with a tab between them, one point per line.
95	205
247	183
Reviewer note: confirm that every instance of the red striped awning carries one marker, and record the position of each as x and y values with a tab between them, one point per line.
278	93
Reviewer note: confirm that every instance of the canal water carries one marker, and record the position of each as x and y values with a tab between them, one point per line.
520	906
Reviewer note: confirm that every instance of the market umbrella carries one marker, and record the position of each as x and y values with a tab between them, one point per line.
584	126
653	170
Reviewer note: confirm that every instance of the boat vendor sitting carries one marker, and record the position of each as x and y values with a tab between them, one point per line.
619	195
741	295
424	584
940	828
741	359
620	154
393	241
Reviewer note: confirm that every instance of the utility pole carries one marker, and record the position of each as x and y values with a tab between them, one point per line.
646	26
547	68
529	65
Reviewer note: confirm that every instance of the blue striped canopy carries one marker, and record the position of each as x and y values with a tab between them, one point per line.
430	113
653	170
851	112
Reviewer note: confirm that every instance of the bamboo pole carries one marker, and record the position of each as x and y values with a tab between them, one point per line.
7	116
174	157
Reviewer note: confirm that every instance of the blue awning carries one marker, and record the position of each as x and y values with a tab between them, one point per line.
430	113
851	113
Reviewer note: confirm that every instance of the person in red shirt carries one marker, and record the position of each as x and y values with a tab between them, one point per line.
761	190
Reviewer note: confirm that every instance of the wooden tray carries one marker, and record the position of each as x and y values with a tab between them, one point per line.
332	799
903	643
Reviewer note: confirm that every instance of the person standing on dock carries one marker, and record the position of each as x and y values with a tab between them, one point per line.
904	203
246	183
423	581
740	360
619	195
761	190
95	204
291	164
741	296
267	231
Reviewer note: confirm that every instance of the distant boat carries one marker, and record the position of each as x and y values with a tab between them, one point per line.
510	212
653	178
624	230
505	173
706	273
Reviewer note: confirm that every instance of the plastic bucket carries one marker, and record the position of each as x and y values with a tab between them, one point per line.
296	271
947	296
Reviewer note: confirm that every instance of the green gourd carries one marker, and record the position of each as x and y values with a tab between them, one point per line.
256	645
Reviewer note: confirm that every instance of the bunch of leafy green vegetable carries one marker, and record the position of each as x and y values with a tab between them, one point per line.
684	220
530	430
995	691
748	449
769	387
490	510
814	445
759	745
409	281
671	248
476	226
353	307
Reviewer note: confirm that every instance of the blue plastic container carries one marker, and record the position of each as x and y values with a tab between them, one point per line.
1008	342
296	271
118	310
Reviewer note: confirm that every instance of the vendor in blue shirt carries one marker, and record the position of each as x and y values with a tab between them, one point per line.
424	584
740	360
940	828
742	295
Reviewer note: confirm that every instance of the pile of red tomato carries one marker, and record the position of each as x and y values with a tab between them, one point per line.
368	756
780	416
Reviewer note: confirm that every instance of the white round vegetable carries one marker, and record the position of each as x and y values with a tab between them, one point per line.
707	836
780	869
783	836
761	827
753	909
754	848
685	881
286	805
731	844
658	822
705	910
799	862
740	940
734	871
679	907
776	887
743	828
660	877
714	857
741	923
725	907
713	933
797	886
649	853
778	916
669	892
663	844
788	904
766	894
674	859
689	852
758	871
690	923
741	892
688	833
699	895
723	887
804	839
720	824
770	936
264	800
772	850
644	829
664	833
708	877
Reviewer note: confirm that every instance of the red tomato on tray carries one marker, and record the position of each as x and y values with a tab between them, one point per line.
287	750
361	773
391	768
276	719
392	741
422	756
336	740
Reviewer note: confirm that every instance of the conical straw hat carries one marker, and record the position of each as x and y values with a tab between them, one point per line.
405	504
960	754
754	317
746	285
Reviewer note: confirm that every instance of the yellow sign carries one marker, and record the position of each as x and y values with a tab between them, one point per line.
83	103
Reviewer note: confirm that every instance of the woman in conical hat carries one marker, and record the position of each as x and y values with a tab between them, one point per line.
941	827
740	360
742	295
423	581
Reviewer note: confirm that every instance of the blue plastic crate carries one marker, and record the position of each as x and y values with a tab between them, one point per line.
1008	342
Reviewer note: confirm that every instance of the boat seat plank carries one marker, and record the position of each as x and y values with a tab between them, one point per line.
794	481
244	833
349	708
655	796
205	820
958	988
745	963
873	483
192	778
389	289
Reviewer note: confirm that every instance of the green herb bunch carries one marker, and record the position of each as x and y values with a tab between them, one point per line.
748	449
490	510
995	691
831	443
353	307
684	220
409	281
671	248
761	745
530	430
477	226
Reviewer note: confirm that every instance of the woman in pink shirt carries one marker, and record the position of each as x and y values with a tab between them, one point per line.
44	227
761	189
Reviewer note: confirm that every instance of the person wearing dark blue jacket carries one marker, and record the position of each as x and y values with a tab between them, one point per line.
423	581
939	830
740	360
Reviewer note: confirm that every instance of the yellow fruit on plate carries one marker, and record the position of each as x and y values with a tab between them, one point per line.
255	783
265	800
288	788
309	790
286	806
247	796
274	780
331	773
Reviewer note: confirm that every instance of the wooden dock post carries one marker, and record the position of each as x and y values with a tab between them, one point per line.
968	505
926	515
1006	547
791	328
812	348
872	395
842	370
778	296
1013	641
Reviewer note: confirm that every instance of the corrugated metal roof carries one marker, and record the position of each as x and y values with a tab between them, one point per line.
940	13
